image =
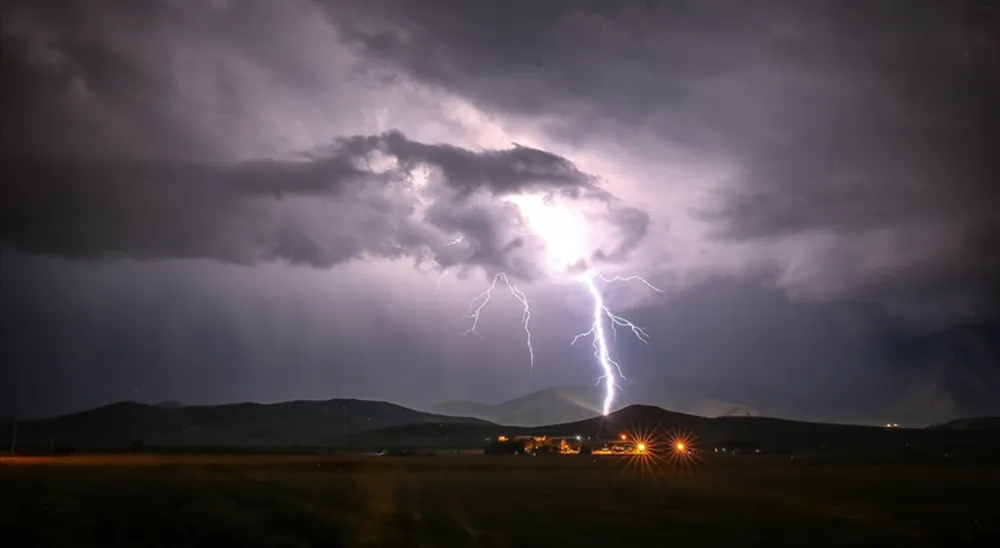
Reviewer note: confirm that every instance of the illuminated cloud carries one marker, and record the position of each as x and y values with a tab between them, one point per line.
858	139
742	157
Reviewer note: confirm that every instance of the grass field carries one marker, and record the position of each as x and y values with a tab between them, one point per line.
222	500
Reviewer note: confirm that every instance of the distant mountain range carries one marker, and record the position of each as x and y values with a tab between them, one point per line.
950	376
945	379
170	424
772	435
360	424
572	403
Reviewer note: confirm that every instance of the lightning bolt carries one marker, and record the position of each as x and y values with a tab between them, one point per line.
483	299
601	314
600	337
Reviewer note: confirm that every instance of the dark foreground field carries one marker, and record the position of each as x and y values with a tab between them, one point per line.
500	501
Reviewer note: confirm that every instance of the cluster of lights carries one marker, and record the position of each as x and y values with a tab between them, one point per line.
652	451
646	452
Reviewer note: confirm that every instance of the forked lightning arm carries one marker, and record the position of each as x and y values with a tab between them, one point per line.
484	298
601	352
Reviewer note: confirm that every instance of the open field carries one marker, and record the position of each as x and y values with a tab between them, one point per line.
240	500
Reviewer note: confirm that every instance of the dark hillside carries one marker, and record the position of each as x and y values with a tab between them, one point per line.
772	435
243	425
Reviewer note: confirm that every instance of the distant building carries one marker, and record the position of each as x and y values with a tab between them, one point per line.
561	445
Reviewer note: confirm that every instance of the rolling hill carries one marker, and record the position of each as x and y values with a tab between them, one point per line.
573	403
242	425
549	406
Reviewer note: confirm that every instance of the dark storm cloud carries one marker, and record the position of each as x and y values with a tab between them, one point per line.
633	224
852	121
502	173
64	68
106	133
248	212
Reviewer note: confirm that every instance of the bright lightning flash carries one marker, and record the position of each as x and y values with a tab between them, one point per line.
479	303
565	236
599	334
459	239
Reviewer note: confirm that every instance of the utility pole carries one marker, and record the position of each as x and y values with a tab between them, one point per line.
350	431
13	435
13	439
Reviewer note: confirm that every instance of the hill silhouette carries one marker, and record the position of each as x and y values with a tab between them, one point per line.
774	435
573	403
242	425
362	424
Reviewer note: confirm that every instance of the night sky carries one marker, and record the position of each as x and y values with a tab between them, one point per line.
221	201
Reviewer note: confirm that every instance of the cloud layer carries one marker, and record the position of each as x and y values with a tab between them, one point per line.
377	196
858	159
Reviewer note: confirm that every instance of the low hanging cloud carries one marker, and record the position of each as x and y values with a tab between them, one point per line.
162	135
356	198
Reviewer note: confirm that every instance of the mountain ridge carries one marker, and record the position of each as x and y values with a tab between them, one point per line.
348	424
659	427
296	423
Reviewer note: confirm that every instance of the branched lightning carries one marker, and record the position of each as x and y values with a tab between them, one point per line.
484	298
601	352
601	314
437	288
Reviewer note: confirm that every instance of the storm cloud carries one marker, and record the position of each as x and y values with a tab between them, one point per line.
861	136
283	183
